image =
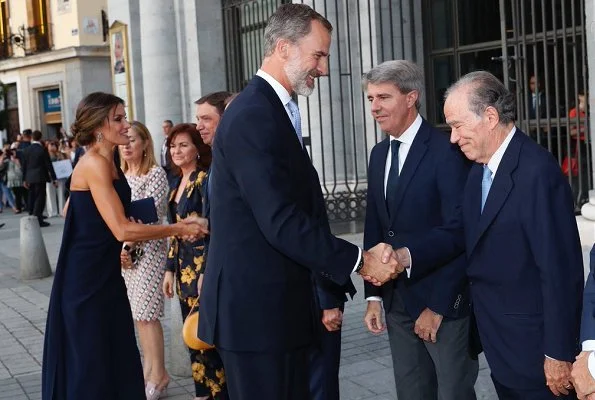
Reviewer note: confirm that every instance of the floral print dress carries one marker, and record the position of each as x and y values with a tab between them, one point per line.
186	261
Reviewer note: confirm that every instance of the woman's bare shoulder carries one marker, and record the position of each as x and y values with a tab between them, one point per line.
92	166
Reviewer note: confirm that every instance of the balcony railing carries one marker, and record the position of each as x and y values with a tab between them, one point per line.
30	39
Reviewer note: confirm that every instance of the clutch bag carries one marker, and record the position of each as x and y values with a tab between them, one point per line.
144	210
190	332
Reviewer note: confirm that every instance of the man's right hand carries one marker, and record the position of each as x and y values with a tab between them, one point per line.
373	317
380	265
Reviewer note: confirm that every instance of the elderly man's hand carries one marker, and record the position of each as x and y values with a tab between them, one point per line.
582	379
557	376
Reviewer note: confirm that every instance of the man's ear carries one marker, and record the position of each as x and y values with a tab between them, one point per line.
412	98
282	48
492	116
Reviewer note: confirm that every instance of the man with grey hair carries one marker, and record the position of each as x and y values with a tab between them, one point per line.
415	182
269	229
524	255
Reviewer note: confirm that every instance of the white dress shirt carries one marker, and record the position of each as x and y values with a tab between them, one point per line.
496	158
285	98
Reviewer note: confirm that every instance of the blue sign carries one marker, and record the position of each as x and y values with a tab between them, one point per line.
51	100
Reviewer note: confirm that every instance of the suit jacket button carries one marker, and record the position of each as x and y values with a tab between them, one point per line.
391	233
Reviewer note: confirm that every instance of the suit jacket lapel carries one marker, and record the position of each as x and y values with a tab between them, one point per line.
206	206
416	153
270	94
377	166
500	189
472	204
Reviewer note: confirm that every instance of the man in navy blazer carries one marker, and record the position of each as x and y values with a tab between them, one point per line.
524	256
583	370
269	227
415	184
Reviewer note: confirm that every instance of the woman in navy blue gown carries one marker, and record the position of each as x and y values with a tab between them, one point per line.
90	351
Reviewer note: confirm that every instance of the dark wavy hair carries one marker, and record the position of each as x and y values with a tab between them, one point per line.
204	151
91	113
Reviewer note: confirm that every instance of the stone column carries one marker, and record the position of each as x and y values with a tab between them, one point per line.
160	69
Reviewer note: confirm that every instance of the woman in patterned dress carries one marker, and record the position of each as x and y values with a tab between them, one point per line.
191	158
144	277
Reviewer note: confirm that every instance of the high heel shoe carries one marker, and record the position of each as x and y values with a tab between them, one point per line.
153	393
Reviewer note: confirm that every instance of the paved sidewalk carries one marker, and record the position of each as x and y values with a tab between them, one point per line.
366	370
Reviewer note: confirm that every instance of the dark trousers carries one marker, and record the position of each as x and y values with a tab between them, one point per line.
542	393
324	366
37	199
19	197
428	371
264	376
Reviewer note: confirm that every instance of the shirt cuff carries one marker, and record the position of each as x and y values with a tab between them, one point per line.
546	356
374	298
589	345
359	257
591	364
408	269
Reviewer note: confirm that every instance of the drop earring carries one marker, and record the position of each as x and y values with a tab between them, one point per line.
99	137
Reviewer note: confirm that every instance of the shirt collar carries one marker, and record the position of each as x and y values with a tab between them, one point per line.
35	142
282	93
496	158
409	134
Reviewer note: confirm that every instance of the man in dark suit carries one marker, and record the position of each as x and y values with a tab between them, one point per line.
269	227
37	171
583	370
165	157
524	254
325	355
415	184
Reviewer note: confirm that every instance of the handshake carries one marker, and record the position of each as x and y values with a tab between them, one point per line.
381	263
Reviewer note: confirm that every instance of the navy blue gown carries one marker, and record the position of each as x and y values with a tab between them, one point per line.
90	350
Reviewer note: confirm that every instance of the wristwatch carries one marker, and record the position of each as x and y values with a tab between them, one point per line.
360	264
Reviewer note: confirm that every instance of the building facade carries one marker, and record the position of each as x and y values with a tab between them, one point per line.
52	53
182	49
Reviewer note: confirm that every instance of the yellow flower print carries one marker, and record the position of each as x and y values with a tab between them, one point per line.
220	373
198	261
188	275
173	249
198	372
201	177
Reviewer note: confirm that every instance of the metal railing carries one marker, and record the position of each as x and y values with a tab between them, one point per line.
30	39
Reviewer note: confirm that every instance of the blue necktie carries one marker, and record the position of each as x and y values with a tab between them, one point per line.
296	119
393	175
486	183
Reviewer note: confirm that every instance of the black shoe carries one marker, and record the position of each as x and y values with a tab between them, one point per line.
1	225
43	224
44	217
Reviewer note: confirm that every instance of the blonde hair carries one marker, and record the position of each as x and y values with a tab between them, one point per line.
148	160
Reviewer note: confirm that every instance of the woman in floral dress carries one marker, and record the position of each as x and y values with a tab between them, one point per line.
144	277
191	158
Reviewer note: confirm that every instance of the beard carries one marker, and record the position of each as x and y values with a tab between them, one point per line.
298	78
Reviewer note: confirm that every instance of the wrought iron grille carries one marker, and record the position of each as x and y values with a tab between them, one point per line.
520	41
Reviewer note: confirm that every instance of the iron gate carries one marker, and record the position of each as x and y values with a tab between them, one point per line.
538	49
